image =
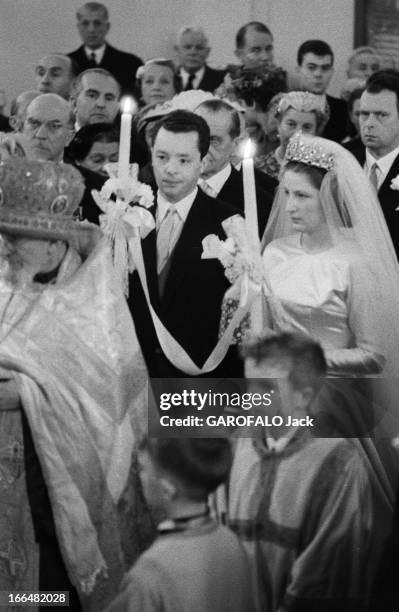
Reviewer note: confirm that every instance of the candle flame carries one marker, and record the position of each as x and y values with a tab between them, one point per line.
249	149
128	105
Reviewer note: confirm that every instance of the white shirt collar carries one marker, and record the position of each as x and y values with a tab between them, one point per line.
384	163
281	443
182	207
198	76
99	53
218	180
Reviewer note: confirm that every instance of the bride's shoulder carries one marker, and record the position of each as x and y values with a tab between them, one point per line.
351	252
353	258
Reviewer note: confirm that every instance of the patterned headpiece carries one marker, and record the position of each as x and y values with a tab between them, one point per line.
39	199
308	151
303	101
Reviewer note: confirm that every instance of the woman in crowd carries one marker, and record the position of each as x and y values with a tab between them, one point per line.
157	81
296	111
94	146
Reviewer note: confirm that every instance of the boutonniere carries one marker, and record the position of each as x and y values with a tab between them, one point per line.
395	185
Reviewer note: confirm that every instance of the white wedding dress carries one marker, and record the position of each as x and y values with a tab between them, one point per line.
326	295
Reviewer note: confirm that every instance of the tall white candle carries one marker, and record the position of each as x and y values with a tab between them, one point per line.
251	223
250	207
128	107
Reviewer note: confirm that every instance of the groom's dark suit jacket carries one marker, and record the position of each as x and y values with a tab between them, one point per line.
389	198
191	302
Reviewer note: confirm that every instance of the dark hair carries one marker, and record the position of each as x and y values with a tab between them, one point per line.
353	96
199	464
77	82
258	26
84	139
318	47
183	122
314	174
308	364
93	7
384	79
73	65
217	106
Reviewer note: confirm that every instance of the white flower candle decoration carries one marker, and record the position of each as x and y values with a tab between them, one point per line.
250	207
128	108
251	224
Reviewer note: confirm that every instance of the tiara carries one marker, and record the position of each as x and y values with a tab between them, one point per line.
309	153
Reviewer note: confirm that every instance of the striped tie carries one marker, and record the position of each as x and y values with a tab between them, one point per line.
165	236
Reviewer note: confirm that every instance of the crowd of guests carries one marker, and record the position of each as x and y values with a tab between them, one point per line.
281	518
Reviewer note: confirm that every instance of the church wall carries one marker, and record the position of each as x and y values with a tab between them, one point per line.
30	28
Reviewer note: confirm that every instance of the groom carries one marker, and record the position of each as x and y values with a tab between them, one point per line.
185	291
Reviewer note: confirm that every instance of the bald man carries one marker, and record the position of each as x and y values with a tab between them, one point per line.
54	73
48	126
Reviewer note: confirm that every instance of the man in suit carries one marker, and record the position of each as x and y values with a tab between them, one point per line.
379	153
315	67
218	177
93	26
185	290
48	127
254	45
95	97
54	73
192	50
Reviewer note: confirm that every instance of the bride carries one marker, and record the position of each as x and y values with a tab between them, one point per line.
331	272
323	262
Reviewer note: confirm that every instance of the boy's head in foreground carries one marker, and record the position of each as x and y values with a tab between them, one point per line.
178	474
